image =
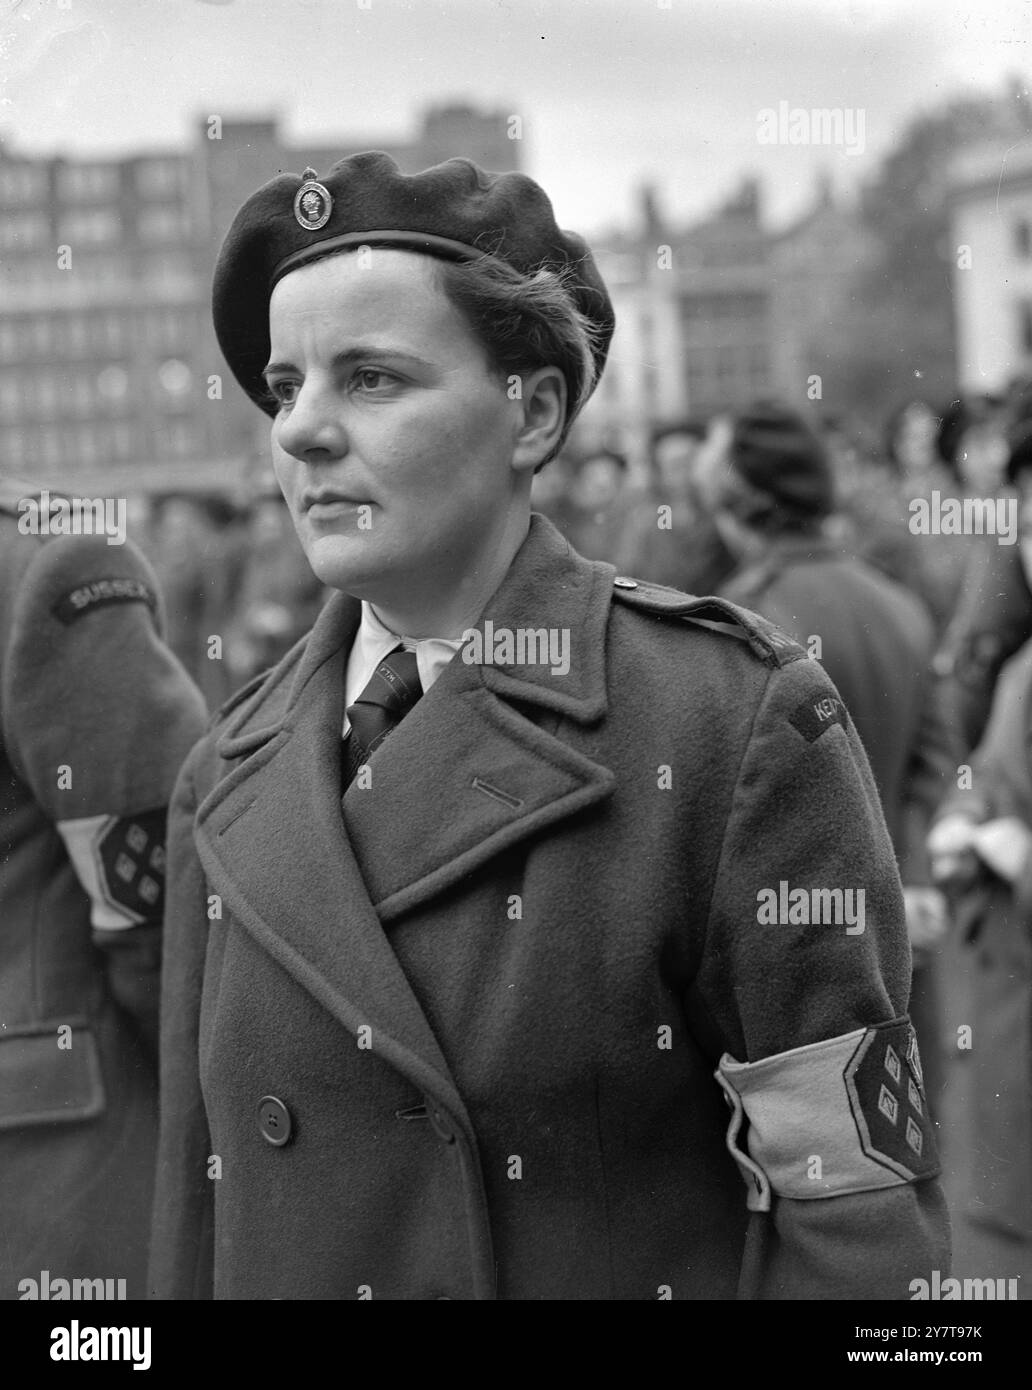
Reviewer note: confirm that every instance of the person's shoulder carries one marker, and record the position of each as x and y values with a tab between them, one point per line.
747	632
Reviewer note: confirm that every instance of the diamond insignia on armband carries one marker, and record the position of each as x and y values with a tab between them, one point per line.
888	1104
124	868
914	1137
136	838
914	1096
914	1058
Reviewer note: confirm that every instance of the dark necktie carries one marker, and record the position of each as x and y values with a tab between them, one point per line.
392	691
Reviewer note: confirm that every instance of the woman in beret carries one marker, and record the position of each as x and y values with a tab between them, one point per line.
471	984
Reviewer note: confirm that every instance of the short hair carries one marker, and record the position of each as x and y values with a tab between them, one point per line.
524	322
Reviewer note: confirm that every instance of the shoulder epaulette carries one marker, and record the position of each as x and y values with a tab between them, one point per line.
765	638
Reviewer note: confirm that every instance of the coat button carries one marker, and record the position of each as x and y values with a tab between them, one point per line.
274	1121
622	583
441	1125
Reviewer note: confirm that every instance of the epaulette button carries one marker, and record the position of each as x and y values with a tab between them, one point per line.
621	583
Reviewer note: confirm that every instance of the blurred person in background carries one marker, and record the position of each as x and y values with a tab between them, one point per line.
196	549
981	850
994	614
597	498
876	641
279	596
96	715
670	537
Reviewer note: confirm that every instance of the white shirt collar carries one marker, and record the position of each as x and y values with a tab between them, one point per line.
372	643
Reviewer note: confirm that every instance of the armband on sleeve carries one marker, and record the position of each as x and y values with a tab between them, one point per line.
120	862
847	1114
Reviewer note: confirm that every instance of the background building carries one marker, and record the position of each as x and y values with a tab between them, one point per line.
991	239
109	369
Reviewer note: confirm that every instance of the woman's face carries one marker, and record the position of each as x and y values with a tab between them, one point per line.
394	440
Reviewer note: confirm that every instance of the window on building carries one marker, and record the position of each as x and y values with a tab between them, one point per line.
93	227
181	440
48	395
15	444
23	231
41	334
122	440
159	178
89	445
82	394
50	451
113	332
87	182
74	334
161	224
11	396
175	379
9	339
167	268
1023	238
22	183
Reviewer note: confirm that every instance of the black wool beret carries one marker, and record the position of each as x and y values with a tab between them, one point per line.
777	453
455	211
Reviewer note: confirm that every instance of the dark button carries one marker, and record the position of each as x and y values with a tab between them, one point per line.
274	1121
441	1125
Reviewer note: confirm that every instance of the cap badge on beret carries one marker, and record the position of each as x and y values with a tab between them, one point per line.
312	203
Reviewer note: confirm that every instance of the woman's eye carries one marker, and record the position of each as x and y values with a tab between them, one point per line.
285	392
372	378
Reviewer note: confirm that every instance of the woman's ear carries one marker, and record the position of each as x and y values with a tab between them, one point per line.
542	398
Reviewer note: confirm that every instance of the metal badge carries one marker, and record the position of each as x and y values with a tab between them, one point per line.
312	203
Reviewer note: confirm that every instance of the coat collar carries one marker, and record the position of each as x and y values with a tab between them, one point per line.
473	770
548	586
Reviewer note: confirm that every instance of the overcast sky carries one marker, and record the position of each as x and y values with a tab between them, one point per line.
611	92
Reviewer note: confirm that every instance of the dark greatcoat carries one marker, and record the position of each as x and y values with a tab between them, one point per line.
459	992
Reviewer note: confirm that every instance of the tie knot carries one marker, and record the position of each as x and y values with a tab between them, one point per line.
391	692
394	685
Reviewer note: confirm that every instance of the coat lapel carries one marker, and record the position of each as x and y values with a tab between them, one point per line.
271	839
476	767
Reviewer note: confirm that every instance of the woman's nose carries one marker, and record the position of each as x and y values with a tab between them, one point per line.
313	425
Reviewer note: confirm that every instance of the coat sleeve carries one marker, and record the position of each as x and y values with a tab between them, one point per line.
182	1229
98	716
805	977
